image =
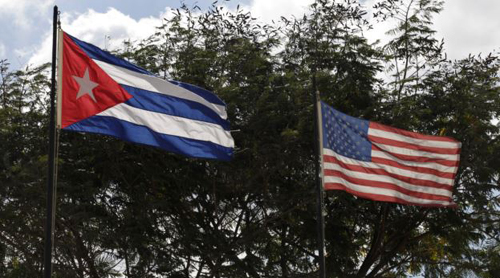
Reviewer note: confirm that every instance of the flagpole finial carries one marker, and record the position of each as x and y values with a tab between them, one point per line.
57	13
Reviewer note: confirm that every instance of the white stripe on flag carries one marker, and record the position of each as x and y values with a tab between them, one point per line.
154	84
171	125
387	179
416	153
430	165
415	141
389	169
385	192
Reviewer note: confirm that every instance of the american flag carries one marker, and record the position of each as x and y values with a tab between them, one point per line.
383	163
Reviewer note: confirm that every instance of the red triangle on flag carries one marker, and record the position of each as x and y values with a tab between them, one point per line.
86	88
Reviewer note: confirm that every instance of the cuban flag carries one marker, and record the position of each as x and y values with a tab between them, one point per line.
101	93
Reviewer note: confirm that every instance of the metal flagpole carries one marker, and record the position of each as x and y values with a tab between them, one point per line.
319	181
51	180
318	158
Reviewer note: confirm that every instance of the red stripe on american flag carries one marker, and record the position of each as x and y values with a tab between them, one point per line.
424	170
406	145
445	162
386	185
381	172
411	134
381	198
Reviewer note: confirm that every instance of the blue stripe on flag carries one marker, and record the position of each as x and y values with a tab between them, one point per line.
170	105
207	95
143	135
96	53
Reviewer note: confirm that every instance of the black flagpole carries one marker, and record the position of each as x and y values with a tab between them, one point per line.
318	160
51	180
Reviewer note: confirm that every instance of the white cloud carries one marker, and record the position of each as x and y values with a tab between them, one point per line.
469	27
268	10
93	27
22	12
105	30
3	51
466	27
110	29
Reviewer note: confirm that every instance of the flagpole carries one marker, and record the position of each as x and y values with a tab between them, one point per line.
51	180
319	181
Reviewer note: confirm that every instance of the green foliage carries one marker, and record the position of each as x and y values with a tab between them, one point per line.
23	154
131	211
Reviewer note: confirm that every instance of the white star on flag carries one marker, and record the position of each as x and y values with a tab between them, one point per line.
86	85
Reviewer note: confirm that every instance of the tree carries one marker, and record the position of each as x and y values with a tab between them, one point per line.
131	211
23	114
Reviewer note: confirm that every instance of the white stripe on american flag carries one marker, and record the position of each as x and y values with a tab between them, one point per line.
429	165
390	169
379	193
388	180
359	182
416	153
428	143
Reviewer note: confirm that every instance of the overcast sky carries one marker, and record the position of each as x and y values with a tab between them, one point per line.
467	26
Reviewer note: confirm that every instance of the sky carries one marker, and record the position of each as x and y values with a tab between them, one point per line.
25	38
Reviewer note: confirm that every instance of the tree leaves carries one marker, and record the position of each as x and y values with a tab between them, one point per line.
134	211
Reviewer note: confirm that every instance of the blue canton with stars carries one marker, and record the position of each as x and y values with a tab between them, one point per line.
345	135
